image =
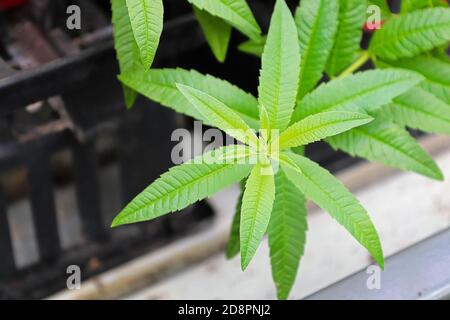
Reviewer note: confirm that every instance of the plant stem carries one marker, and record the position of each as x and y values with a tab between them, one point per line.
365	56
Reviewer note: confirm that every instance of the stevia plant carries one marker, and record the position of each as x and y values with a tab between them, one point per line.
414	40
138	26
362	113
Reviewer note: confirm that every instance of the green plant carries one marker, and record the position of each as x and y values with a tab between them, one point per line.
138	25
416	41
363	113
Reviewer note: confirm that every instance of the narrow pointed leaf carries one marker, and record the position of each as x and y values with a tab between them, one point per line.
265	124
317	22
257	205
412	34
160	85
252	47
235	12
320	126
233	245
388	144
287	233
217	33
146	17
434	70
299	150
183	185
413	5
360	92
440	91
127	50
419	109
219	115
278	82
352	15
130	96
322	187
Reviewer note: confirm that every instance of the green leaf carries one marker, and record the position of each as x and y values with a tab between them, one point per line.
359	92
421	110
130	96
299	150
388	144
322	187
440	91
127	50
160	85
412	34
235	12
441	54
317	22
265	124
217	33
257	204
413	5
233	245
320	126
219	115
287	233
278	82
185	184
252	47
434	70
146	17
352	16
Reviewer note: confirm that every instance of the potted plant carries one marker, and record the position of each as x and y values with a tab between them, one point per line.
309	90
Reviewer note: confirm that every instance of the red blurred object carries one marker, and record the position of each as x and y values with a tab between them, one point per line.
9	4
371	27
